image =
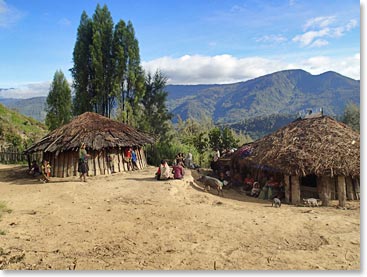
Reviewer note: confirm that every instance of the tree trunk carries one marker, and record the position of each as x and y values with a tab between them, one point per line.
341	191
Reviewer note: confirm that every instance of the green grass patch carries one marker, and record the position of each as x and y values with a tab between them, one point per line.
4	209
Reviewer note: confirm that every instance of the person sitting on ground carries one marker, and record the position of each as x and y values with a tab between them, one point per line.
163	172
178	171
236	180
35	169
248	182
255	191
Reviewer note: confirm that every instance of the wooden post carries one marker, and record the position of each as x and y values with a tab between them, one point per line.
296	189
356	188
324	183
341	191
349	184
287	189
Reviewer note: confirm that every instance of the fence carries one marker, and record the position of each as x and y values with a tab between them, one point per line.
11	155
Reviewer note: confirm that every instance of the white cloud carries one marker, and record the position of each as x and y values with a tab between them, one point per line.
319	43
321	29
319	22
223	69
308	37
272	39
27	90
8	14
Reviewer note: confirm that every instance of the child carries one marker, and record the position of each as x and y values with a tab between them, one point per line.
46	171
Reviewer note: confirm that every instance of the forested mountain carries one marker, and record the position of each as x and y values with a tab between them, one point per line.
283	92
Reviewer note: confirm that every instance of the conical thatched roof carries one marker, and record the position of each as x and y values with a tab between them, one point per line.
95	130
320	146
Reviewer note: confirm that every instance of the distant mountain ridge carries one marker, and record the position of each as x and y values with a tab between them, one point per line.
285	92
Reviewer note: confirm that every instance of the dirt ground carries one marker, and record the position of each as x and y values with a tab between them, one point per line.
131	221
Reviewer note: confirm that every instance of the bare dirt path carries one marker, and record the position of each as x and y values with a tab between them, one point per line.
131	221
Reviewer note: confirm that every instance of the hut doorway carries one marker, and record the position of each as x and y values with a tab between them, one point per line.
309	186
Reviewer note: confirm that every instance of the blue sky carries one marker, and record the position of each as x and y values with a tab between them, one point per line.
192	42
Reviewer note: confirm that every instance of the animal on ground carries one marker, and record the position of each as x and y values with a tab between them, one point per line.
211	182
311	202
276	203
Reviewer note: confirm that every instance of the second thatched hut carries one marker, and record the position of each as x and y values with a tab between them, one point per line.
105	140
315	157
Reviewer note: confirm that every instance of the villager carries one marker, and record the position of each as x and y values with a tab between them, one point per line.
163	172
248	182
188	161
35	169
127	157
83	162
236	180
267	191
179	158
134	160
110	160
255	191
45	171
178	171
214	164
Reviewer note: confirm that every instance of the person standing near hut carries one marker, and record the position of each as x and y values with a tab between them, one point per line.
134	160
83	162
127	157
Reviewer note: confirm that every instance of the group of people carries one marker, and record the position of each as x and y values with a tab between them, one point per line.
177	171
44	172
266	187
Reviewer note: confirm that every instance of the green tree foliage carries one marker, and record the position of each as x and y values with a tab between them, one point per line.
101	62
351	116
156	119
59	104
81	71
107	67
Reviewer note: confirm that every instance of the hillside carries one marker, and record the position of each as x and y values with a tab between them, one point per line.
285	92
32	107
16	128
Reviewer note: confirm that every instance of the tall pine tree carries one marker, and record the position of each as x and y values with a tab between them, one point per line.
81	71
59	106
101	58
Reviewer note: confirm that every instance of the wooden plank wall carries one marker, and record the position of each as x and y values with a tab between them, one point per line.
66	163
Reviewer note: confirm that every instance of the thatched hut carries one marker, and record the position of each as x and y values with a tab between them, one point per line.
105	140
315	157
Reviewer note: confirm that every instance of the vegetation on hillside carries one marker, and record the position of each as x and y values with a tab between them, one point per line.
18	130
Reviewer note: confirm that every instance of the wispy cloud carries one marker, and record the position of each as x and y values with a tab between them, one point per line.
64	22
27	90
223	69
319	22
272	39
322	27
9	15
